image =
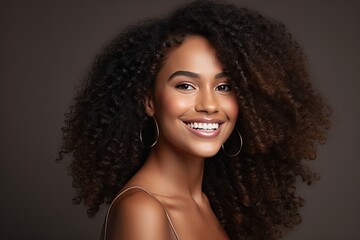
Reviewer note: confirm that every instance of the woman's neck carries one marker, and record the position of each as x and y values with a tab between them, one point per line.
175	172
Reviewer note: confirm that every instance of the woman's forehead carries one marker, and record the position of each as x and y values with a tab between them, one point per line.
194	53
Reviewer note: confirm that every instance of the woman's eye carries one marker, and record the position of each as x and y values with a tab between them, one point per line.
223	87
185	86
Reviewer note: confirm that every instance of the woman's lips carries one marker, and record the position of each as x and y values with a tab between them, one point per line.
209	129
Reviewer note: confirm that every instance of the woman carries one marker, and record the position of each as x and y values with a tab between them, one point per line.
196	126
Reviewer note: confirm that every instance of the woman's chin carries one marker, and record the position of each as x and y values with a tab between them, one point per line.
207	152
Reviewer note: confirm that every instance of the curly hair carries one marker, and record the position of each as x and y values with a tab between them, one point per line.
282	117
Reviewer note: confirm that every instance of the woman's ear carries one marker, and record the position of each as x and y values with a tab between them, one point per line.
149	106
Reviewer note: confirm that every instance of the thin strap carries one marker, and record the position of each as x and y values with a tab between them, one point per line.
126	190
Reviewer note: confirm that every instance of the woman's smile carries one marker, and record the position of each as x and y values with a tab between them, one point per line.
204	128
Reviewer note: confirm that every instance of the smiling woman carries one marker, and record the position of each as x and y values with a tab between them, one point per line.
157	128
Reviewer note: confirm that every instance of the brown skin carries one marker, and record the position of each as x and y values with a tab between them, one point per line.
173	172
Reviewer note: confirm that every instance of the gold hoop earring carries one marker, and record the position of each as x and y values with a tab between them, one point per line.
238	151
157	134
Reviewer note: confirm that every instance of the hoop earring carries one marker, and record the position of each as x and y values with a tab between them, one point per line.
157	134
238	151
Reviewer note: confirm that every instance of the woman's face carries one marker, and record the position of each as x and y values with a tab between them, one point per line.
193	103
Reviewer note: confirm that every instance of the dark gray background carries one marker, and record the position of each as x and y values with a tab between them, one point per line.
46	48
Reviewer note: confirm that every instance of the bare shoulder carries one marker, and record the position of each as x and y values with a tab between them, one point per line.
139	203
138	215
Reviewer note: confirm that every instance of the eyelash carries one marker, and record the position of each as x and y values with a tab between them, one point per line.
228	87
187	87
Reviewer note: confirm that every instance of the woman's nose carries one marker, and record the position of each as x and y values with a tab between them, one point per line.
206	102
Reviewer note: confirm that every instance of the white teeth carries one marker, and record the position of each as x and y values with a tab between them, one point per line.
204	126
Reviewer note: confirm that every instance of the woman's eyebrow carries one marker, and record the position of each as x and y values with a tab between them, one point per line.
184	73
195	75
222	75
